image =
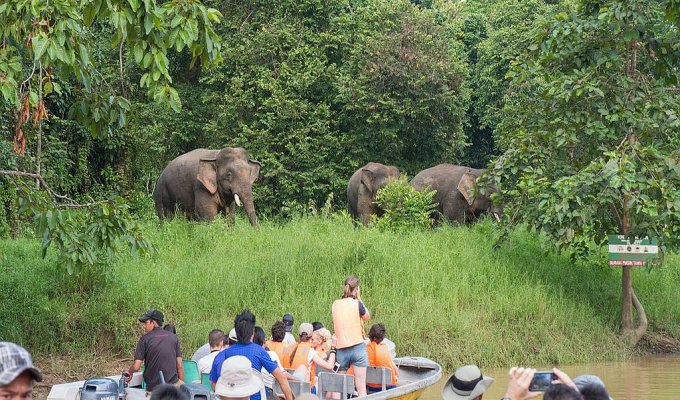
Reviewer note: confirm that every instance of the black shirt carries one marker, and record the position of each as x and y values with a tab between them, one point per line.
159	350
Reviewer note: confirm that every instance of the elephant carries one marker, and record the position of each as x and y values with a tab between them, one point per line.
203	182
453	184
363	187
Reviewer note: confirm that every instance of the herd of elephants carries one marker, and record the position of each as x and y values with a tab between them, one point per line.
202	183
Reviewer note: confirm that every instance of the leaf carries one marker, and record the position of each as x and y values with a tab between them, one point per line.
88	14
40	43
84	57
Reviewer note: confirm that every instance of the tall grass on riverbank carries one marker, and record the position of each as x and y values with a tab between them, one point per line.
444	294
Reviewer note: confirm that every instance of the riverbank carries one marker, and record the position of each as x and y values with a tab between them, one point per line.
444	294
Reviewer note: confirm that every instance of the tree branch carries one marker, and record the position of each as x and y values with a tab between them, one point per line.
55	196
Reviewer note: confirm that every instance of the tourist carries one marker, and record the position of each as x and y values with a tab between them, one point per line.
289	321
216	342
205	349
267	378
244	324
238	380
316	325
379	356
317	357
277	345
467	383
300	350
17	373
349	312
159	350
591	387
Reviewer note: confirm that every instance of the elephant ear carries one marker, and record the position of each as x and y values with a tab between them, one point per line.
207	174
465	185
367	177
254	170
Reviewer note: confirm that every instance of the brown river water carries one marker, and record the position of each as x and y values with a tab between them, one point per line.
645	378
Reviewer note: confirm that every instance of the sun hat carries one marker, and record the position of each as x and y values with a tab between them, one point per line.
288	321
238	378
466	383
154	315
232	335
582	381
307	328
15	360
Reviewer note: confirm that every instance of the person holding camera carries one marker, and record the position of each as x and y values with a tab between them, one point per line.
525	383
349	314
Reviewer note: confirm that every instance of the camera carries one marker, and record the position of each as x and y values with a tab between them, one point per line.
541	381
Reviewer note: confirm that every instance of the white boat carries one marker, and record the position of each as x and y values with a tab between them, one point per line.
415	375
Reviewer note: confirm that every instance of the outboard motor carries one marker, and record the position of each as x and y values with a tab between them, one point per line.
100	389
197	391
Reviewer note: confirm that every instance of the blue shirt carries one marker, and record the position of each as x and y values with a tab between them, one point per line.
256	354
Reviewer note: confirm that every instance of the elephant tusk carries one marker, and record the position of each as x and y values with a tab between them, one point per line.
238	201
498	218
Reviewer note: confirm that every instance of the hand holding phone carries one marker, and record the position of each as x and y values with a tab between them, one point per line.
541	381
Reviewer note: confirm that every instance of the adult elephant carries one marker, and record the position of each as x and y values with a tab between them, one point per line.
203	182
457	197
363	187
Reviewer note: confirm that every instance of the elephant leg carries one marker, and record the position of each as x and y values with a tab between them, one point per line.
206	205
454	210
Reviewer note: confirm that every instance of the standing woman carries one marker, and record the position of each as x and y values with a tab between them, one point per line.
349	314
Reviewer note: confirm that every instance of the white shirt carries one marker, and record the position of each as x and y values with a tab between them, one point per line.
205	363
268	378
289	338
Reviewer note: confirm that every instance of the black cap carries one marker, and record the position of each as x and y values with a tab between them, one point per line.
152	314
288	321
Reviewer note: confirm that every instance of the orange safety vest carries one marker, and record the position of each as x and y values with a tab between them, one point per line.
282	350
347	323
301	354
379	356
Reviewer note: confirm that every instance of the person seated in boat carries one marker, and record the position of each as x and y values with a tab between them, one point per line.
315	357
258	339
238	380
216	342
244	323
289	321
205	349
17	373
277	345
467	383
300	350
591	387
159	350
379	356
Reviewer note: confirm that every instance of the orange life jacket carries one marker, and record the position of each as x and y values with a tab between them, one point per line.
347	323
379	356
282	350
301	354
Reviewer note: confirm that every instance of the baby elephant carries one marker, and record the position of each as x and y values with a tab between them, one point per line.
203	182
363	187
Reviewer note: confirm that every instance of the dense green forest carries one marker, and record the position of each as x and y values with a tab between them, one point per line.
573	105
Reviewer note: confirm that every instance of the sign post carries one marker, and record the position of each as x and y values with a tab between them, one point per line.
636	252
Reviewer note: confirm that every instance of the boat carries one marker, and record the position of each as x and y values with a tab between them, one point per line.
415	375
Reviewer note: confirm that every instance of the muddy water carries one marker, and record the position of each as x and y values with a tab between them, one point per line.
647	378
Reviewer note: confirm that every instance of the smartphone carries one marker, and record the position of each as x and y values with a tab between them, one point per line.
336	367
541	381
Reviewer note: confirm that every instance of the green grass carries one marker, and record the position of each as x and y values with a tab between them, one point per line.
444	294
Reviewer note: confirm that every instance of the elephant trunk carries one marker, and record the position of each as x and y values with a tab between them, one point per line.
249	205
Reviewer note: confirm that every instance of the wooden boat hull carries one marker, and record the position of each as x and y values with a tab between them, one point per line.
415	375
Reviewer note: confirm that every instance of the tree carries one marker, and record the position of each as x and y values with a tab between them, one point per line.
591	136
45	49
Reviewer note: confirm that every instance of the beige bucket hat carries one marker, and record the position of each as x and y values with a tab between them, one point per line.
466	384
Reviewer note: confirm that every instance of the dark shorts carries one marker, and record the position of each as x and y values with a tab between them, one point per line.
355	355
